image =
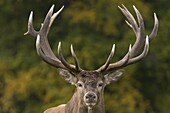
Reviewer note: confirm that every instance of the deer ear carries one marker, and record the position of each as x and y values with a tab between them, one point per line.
114	76
66	75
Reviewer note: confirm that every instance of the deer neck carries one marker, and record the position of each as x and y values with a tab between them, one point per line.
76	105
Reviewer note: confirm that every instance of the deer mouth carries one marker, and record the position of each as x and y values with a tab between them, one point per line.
90	104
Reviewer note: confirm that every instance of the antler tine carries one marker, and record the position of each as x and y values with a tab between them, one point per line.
55	15
130	18
120	63
64	62
155	29
140	20
142	55
46	24
140	34
104	67
31	29
75	58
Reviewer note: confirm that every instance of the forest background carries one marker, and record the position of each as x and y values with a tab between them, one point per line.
28	85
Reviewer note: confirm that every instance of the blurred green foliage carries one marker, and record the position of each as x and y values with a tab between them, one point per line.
28	85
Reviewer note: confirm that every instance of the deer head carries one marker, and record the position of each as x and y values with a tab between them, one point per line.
90	84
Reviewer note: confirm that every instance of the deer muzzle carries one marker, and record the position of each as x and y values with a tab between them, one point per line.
90	98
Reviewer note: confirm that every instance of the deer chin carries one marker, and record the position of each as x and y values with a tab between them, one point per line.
90	105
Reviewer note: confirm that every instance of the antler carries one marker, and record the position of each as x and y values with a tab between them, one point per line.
44	50
42	45
132	56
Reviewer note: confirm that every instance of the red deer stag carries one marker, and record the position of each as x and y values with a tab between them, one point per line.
88	96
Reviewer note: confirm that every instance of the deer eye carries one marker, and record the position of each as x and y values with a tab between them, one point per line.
80	84
100	84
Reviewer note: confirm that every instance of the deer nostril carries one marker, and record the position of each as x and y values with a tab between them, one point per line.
90	96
